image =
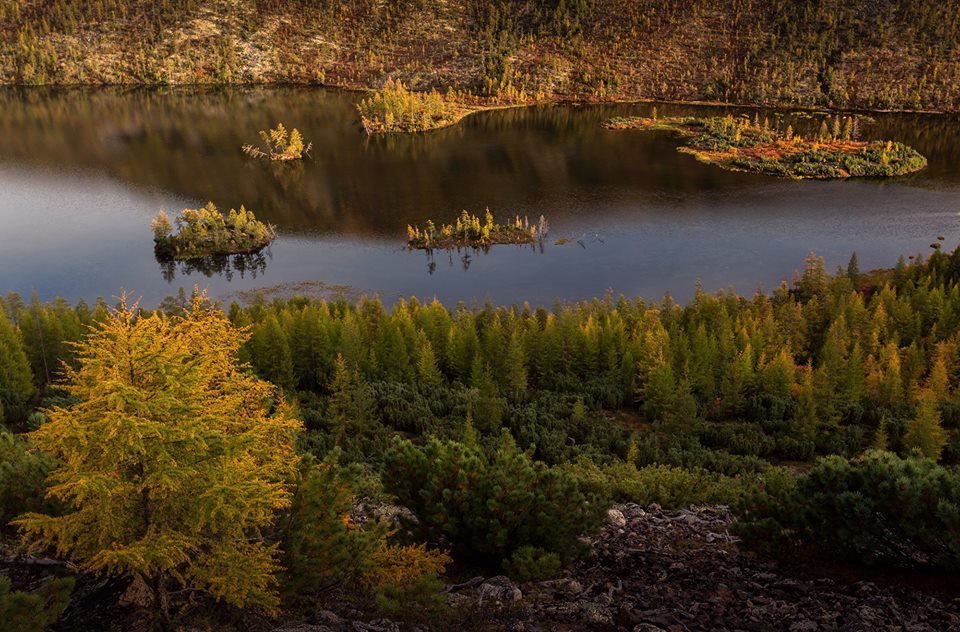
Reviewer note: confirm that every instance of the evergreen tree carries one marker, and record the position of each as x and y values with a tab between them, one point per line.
924	432
170	462
853	269
16	381
881	441
352	410
806	420
427	370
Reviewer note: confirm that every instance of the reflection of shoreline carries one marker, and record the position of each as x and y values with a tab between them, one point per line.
464	254
221	265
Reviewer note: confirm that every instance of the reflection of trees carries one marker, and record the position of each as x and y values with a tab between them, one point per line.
222	265
528	160
463	257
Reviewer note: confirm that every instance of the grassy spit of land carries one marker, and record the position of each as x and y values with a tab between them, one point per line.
737	144
853	55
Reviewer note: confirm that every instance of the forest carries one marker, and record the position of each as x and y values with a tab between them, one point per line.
869	54
148	442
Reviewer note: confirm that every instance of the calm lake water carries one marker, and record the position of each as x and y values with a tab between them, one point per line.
82	172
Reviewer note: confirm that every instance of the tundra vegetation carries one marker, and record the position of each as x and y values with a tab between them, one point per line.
859	54
737	144
826	413
469	231
206	232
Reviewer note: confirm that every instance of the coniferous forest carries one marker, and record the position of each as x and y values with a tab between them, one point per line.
824	414
287	418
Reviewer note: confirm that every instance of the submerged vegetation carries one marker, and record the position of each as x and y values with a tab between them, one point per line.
206	232
737	144
469	231
279	145
395	108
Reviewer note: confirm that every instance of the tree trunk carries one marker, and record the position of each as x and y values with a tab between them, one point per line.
162	604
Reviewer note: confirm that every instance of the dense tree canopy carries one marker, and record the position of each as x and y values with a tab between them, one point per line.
173	461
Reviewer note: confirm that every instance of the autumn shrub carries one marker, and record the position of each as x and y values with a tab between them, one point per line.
33	611
876	508
405	580
488	505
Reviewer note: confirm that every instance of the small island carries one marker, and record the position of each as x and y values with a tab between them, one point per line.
737	144
206	232
279	145
470	232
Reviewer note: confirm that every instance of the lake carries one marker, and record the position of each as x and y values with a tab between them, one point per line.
83	171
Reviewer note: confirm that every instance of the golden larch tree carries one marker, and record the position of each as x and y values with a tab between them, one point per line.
174	460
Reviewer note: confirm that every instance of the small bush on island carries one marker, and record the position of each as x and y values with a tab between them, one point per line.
279	145
736	144
470	231
398	109
206	232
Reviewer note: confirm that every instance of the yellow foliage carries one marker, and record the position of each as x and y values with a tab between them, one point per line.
404	566
174	460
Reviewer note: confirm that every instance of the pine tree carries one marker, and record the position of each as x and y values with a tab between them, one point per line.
427	370
352	410
16	380
170	463
924	432
939	381
805	419
853	270
270	353
881	440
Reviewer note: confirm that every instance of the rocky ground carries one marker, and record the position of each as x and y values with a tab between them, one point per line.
649	570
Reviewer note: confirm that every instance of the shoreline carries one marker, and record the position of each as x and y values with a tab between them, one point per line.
472	109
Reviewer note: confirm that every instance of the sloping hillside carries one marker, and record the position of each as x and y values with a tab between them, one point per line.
860	54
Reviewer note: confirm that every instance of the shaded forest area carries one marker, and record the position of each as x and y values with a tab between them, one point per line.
825	414
874	54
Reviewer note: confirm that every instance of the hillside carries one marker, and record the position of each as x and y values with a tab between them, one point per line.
876	54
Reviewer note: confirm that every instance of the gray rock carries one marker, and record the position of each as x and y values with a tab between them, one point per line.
615	518
595	614
499	589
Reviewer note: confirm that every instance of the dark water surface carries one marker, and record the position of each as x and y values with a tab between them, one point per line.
82	172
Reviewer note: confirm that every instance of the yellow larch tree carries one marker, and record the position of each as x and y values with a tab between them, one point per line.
173	462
